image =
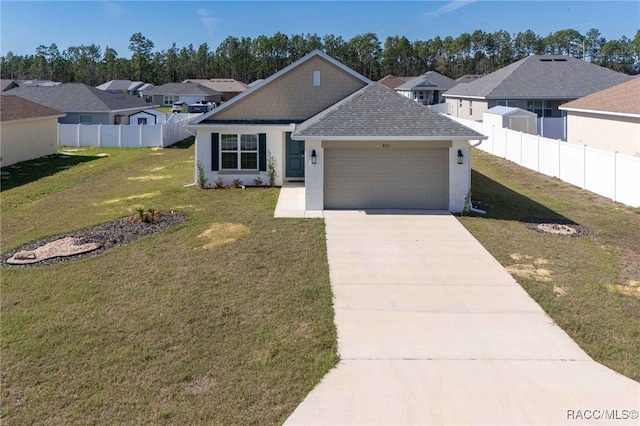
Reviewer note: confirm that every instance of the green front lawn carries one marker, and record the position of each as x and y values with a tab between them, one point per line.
224	320
589	285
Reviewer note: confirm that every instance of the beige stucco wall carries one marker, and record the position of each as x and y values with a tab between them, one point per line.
460	108
28	139
607	132
293	96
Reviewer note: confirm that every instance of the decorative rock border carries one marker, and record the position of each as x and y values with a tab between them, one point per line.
563	228
89	242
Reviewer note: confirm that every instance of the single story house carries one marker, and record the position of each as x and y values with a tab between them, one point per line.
28	130
229	87
189	93
427	88
511	118
355	144
608	120
84	104
537	83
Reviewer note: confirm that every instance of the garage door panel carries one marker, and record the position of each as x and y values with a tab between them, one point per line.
375	178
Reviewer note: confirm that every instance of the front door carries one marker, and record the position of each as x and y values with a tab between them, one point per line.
294	151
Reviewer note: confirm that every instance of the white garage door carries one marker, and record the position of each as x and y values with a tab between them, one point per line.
386	179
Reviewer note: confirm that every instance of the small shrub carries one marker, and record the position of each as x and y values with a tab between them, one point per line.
236	183
146	216
202	179
219	182
272	174
258	182
466	209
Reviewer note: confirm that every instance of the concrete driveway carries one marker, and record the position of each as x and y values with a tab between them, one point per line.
432	330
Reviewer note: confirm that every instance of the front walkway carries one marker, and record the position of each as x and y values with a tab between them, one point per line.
433	330
291	202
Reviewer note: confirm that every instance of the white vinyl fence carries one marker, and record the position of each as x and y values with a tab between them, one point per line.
606	173
124	136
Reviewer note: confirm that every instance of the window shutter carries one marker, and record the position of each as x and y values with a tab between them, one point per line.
262	152
215	151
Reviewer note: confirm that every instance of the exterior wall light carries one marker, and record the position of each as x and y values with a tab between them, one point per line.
460	156
314	157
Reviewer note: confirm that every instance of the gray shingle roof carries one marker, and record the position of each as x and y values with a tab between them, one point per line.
376	111
182	89
430	80
541	77
77	97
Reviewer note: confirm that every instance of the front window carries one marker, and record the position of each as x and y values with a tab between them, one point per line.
513	104
167	100
540	107
142	121
470	108
85	118
239	152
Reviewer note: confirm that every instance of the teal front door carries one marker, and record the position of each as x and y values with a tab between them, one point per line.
294	151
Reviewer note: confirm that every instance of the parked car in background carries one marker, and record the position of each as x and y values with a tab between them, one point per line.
201	107
177	106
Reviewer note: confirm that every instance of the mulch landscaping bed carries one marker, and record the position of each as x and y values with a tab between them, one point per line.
108	235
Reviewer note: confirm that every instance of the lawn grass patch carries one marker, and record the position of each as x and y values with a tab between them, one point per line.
170	328
588	284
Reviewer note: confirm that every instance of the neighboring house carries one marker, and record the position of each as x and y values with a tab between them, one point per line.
427	88
355	144
538	83
84	104
38	83
8	85
149	116
190	93
27	130
229	87
511	118
135	88
391	81
608	120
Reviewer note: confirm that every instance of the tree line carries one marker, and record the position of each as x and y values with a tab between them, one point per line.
246	59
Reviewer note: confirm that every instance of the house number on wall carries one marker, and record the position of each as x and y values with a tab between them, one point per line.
386	145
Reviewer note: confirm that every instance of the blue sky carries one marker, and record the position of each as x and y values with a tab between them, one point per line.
24	24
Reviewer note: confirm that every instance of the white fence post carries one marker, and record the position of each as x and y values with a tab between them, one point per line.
615	176
99	135
78	136
120	136
584	166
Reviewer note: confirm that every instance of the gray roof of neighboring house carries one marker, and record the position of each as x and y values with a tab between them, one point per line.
621	99
120	85
78	97
6	84
541	77
430	80
14	108
221	84
183	89
378	112
468	78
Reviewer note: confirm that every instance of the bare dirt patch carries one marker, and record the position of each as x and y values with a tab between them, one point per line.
223	233
528	267
196	385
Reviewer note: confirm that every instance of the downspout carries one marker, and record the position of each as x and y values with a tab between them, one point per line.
473	209
195	172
